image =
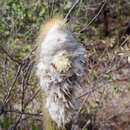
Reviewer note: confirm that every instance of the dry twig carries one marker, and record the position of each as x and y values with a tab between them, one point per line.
99	12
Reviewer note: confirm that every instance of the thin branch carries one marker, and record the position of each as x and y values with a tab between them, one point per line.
3	50
52	7
24	113
71	9
100	78
34	95
86	124
25	81
17	122
89	92
99	12
5	74
13	84
123	43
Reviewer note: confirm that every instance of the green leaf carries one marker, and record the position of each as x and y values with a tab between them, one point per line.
14	6
18	55
6	122
68	5
77	29
34	128
26	47
42	11
6	32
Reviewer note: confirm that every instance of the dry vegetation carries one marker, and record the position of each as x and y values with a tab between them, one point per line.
103	27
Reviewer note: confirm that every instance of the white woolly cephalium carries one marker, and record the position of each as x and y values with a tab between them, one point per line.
60	69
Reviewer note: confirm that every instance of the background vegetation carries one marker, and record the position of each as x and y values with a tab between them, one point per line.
102	26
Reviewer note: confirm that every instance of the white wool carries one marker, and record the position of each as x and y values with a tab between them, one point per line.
60	87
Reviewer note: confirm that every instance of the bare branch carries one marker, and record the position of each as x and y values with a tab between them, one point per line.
100	78
34	95
13	84
123	43
24	113
3	50
71	9
99	12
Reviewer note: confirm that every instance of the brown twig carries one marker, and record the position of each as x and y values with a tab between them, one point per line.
13	84
25	81
100	78
99	12
24	113
123	43
4	51
67	15
52	7
31	98
17	122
